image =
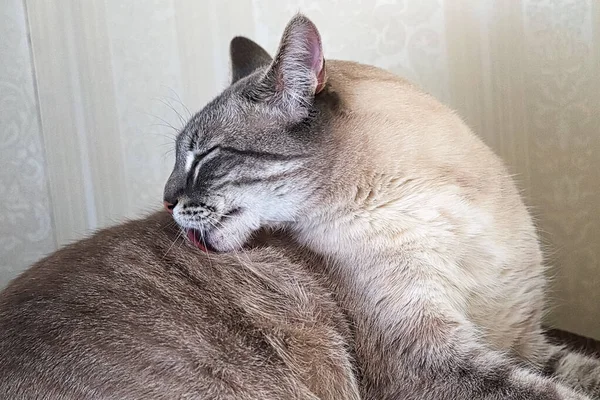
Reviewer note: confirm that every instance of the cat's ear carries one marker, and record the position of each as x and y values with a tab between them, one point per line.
246	57
298	70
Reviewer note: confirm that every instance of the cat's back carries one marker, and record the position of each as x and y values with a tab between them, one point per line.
134	312
449	192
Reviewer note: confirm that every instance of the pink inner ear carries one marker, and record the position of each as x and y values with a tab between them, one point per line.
317	62
315	51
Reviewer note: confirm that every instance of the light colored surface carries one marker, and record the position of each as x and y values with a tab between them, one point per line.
522	73
26	231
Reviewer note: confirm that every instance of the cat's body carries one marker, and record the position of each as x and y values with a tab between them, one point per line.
435	190
433	253
431	233
131	313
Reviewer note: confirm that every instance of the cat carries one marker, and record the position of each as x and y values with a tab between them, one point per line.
430	248
133	313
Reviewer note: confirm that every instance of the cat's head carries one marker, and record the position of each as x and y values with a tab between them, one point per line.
255	156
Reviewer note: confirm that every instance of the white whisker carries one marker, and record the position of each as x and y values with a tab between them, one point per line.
179	235
168	104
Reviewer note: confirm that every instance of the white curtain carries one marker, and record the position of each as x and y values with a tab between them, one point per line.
88	107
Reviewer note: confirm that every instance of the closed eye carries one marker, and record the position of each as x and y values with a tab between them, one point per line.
201	156
262	155
195	166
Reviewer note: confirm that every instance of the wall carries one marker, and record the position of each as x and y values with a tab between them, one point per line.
26	228
116	79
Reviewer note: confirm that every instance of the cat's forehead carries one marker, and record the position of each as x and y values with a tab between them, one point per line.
232	118
216	121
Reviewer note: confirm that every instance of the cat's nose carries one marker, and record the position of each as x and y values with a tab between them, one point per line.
169	206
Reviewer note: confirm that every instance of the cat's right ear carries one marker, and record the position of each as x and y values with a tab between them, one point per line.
246	57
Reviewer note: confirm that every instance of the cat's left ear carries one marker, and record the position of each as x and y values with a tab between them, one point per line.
246	57
298	70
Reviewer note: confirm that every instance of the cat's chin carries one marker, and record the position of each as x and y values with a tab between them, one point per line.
228	234
210	243
195	238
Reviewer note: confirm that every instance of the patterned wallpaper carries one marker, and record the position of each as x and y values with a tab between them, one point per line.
26	231
147	122
123	75
563	104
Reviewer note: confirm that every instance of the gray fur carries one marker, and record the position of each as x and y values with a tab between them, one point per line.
246	57
132	313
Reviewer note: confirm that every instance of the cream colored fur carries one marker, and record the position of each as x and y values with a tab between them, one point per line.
412	178
427	233
428	246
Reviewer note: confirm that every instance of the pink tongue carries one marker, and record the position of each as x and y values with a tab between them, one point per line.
191	234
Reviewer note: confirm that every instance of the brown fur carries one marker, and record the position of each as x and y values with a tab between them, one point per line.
132	313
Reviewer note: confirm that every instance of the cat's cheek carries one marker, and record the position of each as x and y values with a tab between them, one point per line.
233	235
